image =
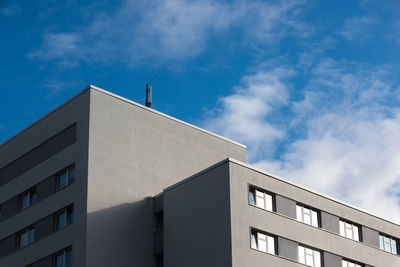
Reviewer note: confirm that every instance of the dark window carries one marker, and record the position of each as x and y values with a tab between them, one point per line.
65	217
159	259
65	178
26	237
27	199
158	220
63	259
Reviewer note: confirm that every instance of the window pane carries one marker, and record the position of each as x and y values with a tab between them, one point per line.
351	264
349	231
62	180
262	242
268	202
309	260
260	202
299	213
60	260
60	220
271	244
32	197
71	176
341	225
23	239
25	201
381	242
314	218
31	236
251	197
394	247
307	218
317	259
253	242
344	263
355	233
68	258
387	244
301	254
70	216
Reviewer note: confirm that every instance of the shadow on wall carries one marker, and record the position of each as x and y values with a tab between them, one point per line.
121	235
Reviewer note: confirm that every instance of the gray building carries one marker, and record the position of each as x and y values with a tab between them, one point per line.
104	181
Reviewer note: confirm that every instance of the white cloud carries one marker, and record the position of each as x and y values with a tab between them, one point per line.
174	30
350	117
55	87
359	28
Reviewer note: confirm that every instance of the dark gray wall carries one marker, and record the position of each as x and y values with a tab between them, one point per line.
330	222
76	111
370	236
287	248
197	221
135	152
285	206
331	260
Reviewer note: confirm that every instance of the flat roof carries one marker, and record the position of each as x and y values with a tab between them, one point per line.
243	164
92	87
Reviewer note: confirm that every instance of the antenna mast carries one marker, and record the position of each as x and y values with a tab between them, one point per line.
148	92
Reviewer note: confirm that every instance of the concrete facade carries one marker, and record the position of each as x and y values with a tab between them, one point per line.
134	205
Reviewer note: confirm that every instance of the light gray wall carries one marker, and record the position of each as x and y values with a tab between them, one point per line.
197	221
134	153
76	110
245	216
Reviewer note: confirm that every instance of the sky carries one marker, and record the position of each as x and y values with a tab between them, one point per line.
311	87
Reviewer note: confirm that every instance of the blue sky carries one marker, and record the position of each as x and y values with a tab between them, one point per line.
311	87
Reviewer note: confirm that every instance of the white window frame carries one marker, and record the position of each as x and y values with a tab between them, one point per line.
390	241
349	230
346	263
262	242
309	257
307	215
263	200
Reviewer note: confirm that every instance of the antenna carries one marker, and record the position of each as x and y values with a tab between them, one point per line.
148	92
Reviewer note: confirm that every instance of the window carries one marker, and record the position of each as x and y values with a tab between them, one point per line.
349	230
26	237
307	215
159	259
346	263
260	199
262	242
65	217
27	199
65	178
309	256
388	244
63	259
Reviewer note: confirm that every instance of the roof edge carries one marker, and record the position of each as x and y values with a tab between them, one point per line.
166	116
243	164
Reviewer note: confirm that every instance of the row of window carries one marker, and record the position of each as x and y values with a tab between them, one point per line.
63	218
29	197
309	256
62	258
266	200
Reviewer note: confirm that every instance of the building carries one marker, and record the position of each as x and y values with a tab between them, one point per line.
103	181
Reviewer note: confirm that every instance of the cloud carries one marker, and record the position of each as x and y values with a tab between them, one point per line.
341	138
10	10
156	31
359	28
244	115
56	87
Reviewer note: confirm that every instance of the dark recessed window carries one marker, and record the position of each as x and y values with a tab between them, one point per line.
27	199
26	237
63	259
159	220
159	259
65	217
65	178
